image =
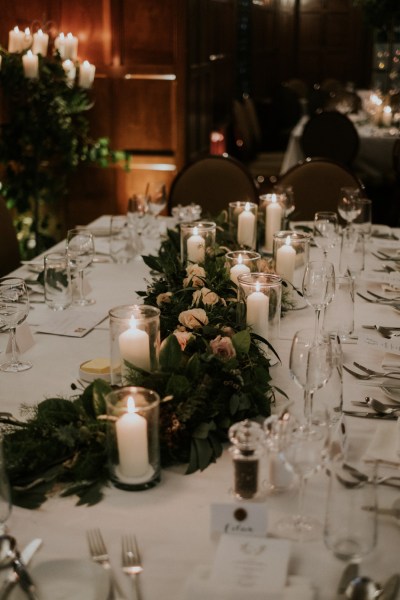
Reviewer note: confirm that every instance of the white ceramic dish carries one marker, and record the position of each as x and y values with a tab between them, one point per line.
66	580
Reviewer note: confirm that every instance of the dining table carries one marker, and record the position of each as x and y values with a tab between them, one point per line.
172	521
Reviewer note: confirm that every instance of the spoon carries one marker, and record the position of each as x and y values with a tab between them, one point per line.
9	557
382	408
368	402
362	588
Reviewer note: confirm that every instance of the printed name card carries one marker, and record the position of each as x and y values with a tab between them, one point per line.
251	567
23	338
392	279
245	518
372	338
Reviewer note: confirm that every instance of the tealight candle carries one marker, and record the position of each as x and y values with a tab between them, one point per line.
196	247
131	431
238	269
273	220
257	310
86	74
134	346
285	260
40	43
31	65
246	227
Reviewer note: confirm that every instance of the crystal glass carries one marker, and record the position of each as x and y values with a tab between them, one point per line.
347	205
352	253
330	395
339	314
196	238
137	213
291	251
157	200
363	222
14	308
122	239
272	208
80	250
57	281
326	229
239	262
318	287
243	223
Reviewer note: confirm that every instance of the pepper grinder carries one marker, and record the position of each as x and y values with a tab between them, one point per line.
247	438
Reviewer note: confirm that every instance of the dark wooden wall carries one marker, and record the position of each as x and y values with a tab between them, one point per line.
166	74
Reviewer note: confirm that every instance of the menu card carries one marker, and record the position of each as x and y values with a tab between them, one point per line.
72	322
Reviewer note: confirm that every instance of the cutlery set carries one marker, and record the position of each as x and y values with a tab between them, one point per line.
355	587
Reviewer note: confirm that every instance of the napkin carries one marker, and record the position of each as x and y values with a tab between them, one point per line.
198	586
391	361
385	443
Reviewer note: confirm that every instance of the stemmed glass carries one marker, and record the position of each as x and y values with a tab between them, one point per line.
157	201
137	213
14	308
348	207
318	287
80	250
326	227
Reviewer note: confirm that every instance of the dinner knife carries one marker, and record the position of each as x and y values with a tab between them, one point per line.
13	578
369	415
349	573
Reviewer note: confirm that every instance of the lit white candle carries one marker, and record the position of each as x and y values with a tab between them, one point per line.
238	269
15	39
257	310
26	39
195	245
40	43
273	221
387	116
70	70
86	74
30	63
59	44
71	47
285	260
246	227
134	346
131	432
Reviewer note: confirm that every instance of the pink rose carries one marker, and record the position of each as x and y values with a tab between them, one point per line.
206	296
193	318
163	298
183	337
195	276
223	347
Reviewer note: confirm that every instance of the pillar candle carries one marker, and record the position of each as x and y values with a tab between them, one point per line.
387	116
40	43
238	269
131	432
15	37
59	44
71	47
195	247
285	260
26	39
31	65
257	311
273	221
86	74
70	70
246	227
134	346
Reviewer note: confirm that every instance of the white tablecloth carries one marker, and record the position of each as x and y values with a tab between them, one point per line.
172	520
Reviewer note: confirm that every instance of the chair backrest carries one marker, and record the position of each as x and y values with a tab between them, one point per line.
316	185
213	182
252	117
9	250
330	134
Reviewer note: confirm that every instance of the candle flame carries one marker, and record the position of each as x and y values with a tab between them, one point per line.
257	286
130	405
29	53
40	32
132	322
195	230
240	259
288	240
27	31
387	110
69	35
247	206
61	36
16	29
273	198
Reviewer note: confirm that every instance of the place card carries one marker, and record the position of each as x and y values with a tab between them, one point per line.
256	566
23	338
246	518
392	279
372	338
72	322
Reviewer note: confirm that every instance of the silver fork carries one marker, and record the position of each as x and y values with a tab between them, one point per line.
131	561
99	554
366	376
372	372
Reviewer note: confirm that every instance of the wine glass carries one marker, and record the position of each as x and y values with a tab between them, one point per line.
14	308
80	250
137	213
326	227
318	287
158	200
304	453
348	207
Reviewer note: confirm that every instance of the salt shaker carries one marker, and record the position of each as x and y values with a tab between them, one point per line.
280	477
247	438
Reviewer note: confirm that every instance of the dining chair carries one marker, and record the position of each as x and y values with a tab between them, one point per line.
213	182
316	185
330	134
9	249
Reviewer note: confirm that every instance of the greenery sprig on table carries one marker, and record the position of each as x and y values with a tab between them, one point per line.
212	373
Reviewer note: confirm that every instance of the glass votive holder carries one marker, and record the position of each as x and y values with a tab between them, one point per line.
247	439
273	209
196	238
239	262
134	339
291	251
133	437
243	223
259	306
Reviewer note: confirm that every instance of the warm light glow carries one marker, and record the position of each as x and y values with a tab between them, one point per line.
27	31
16	29
132	323
258	286
240	259
130	405
288	241
247	206
195	231
387	110
273	198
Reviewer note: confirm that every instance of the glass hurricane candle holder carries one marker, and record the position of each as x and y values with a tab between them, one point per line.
190	212
259	306
239	262
273	211
247	438
291	251
243	223
196	238
134	339
132	438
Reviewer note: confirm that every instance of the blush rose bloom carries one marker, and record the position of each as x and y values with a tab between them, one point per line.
193	318
183	337
208	297
195	276
164	298
223	347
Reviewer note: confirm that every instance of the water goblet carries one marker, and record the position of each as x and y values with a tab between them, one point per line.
318	287
347	206
137	213
14	308
80	250
326	227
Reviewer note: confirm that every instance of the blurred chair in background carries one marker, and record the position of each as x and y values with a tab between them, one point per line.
9	249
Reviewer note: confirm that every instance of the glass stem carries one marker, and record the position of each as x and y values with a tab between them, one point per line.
80	283
316	323
14	349
308	405
300	502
